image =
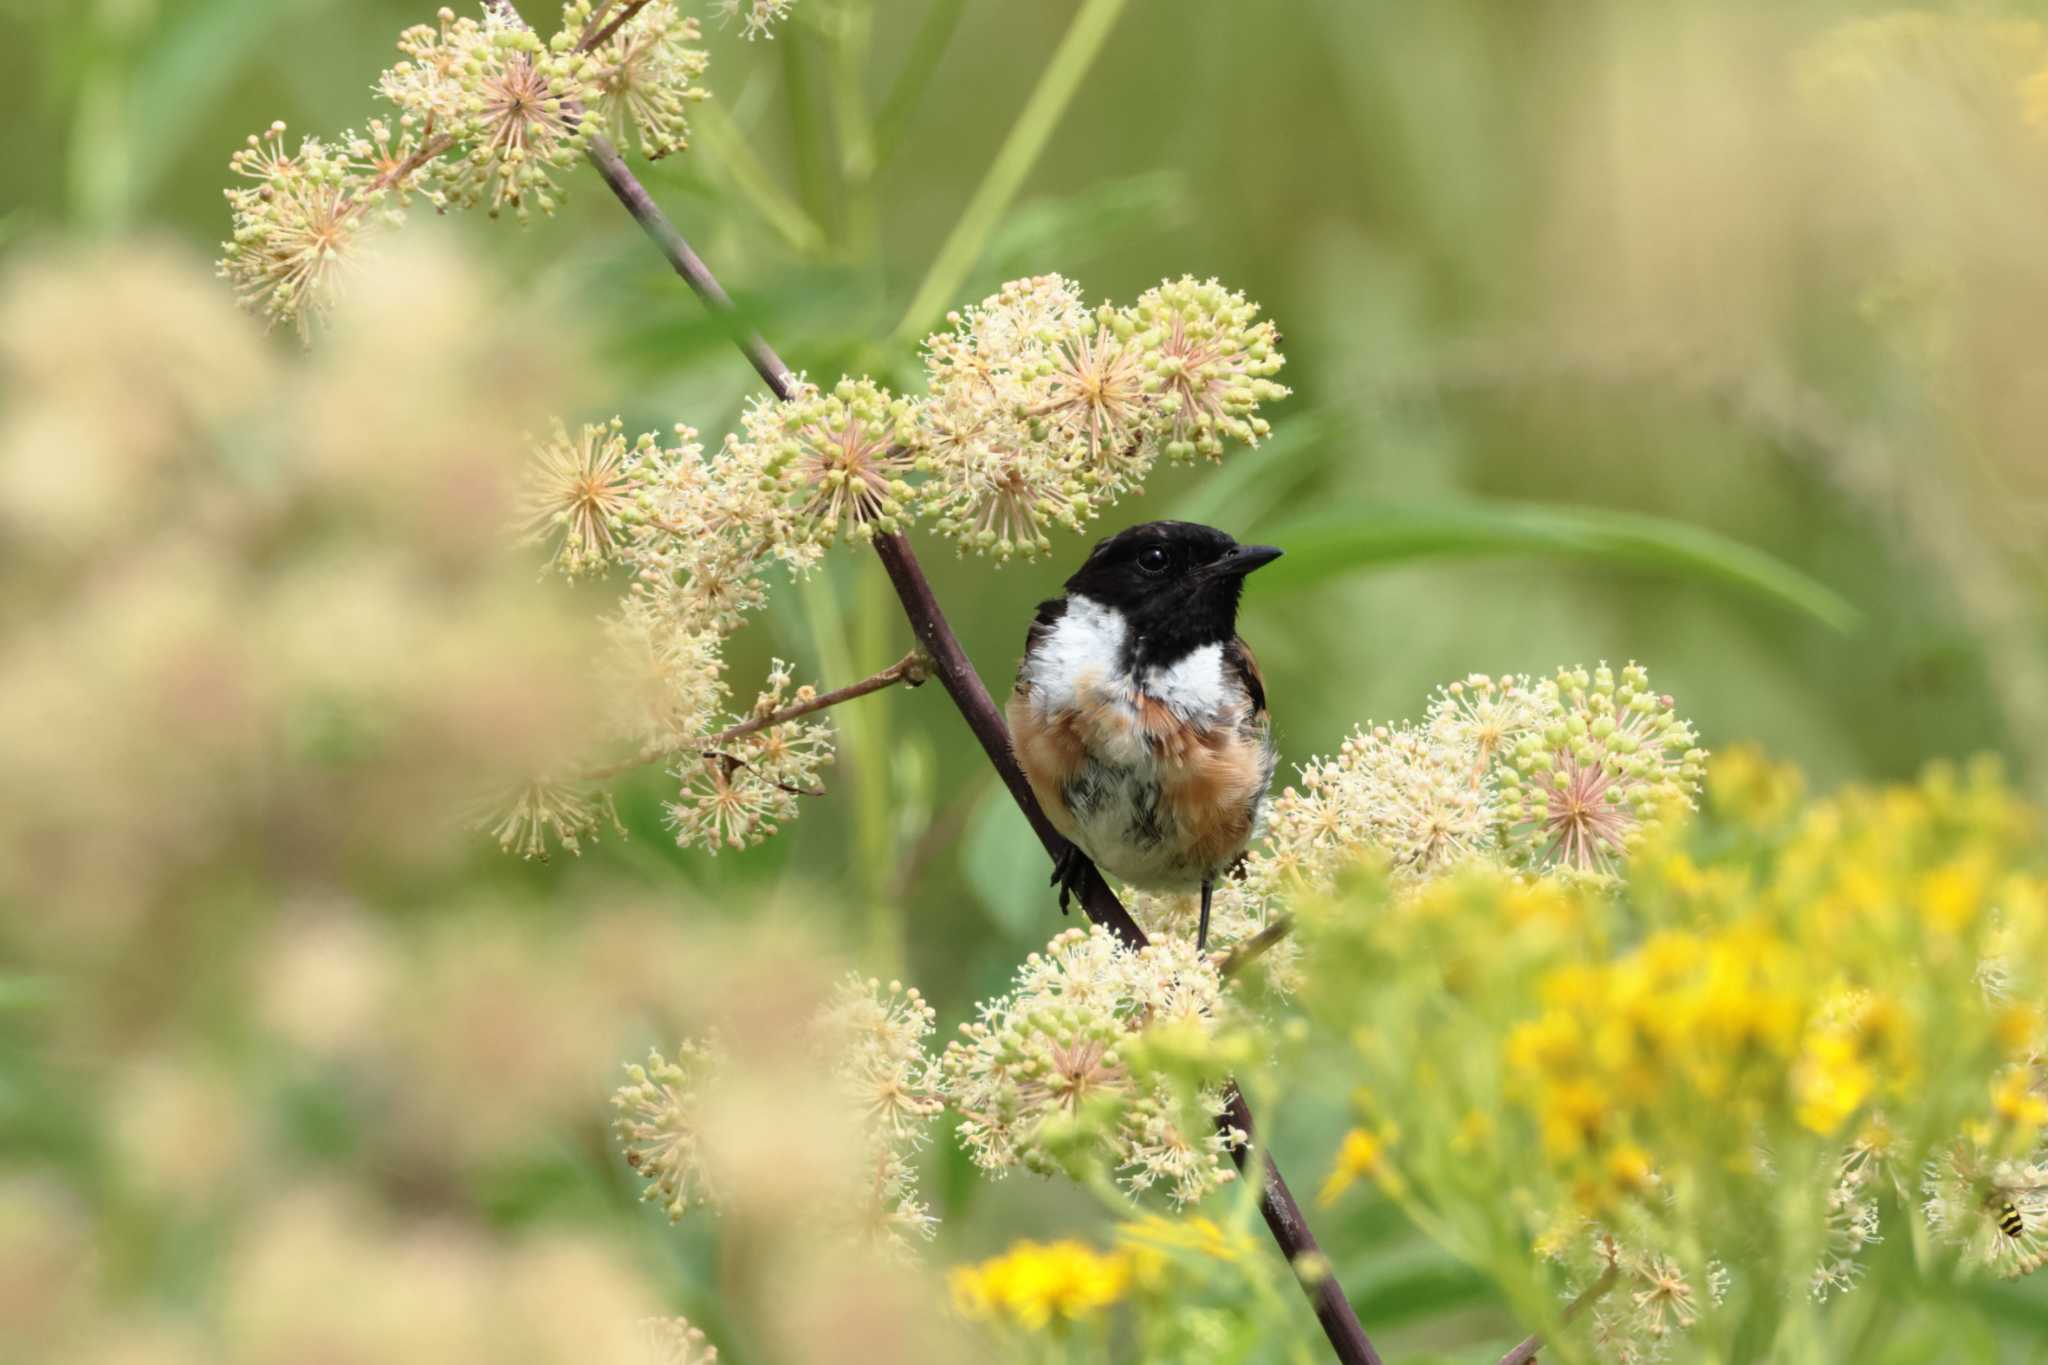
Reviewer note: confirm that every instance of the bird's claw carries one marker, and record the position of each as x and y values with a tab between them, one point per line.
1070	874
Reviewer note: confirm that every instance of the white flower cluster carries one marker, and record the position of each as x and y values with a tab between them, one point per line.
1994	1211
1565	773
673	1341
696	535
659	1124
1636	1300
1043	411
1562	775
872	1036
876	1036
1046	1074
486	113
758	18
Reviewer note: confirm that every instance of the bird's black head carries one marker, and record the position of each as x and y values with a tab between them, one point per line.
1176	583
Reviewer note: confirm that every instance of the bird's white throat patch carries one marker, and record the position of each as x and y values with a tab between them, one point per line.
1193	686
1079	664
1078	657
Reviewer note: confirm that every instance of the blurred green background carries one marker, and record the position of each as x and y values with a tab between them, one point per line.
1542	269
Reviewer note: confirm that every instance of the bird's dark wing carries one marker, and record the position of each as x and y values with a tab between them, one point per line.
1237	657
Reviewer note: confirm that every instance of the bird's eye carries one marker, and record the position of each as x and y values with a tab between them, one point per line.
1154	559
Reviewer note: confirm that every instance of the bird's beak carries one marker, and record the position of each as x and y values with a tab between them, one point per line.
1242	560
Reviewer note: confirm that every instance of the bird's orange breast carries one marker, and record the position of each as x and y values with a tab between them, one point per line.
1182	794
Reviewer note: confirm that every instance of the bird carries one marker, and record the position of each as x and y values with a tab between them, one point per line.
1139	715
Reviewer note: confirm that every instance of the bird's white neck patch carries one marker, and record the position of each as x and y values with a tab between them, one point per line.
1079	662
1079	656
1192	686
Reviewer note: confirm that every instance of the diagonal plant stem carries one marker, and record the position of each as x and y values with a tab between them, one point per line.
729	145
1230	963
1525	1352
594	37
909	87
949	663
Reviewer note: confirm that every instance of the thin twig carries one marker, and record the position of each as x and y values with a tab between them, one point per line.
1229	964
429	148
592	41
950	665
1531	1344
911	670
728	764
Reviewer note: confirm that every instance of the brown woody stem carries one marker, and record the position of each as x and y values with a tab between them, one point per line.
1531	1344
592	41
1244	954
956	674
911	670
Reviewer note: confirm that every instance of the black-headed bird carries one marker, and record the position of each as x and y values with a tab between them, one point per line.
1139	716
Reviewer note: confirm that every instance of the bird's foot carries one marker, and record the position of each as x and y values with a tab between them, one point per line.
1202	930
1070	874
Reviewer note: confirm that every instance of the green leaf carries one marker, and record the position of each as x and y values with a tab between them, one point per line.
1060	78
1153	203
1331	543
1005	866
179	78
1415	1280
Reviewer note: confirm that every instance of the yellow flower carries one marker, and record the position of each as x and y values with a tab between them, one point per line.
1629	1169
1362	1154
1204	1236
2017	1101
1034	1284
2019	1028
1952	895
1830	1083
1747	787
1576	1115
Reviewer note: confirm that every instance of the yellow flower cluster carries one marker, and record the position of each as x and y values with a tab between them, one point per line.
1034	1285
1786	1009
1037	1285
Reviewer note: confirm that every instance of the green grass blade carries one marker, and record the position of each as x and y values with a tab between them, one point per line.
1013	161
1336	542
180	78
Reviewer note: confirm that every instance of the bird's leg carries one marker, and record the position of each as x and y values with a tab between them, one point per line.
1202	931
1070	873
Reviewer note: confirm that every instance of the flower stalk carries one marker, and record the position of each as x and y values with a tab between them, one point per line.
618	21
1235	959
1525	1351
911	670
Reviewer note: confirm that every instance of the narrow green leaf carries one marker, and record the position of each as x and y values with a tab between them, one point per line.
1006	868
1013	161
179	78
755	182
1336	542
1152	203
936	30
